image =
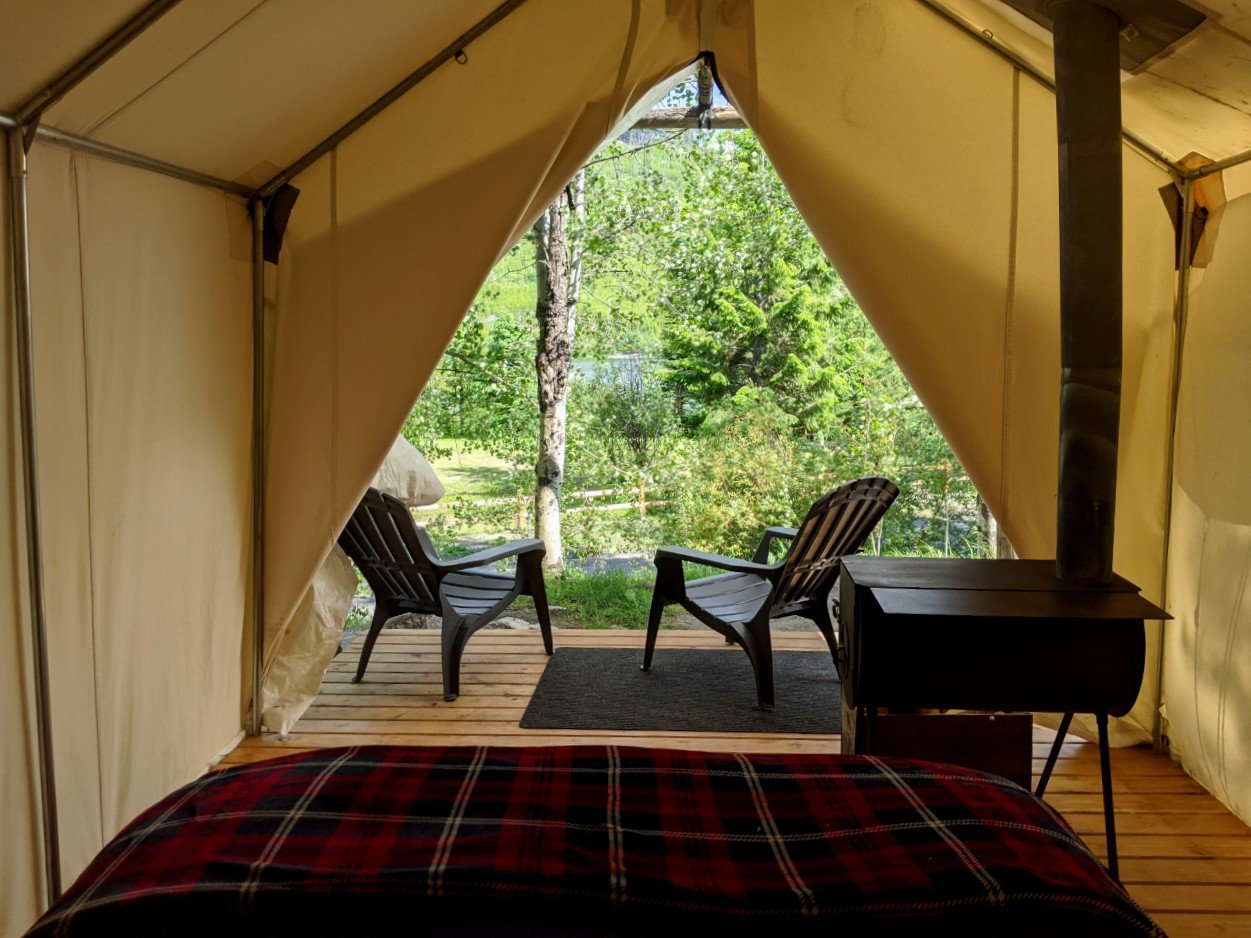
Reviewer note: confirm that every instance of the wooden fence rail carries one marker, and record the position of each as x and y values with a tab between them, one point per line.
641	501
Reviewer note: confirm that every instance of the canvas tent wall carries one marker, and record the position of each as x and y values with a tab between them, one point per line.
917	137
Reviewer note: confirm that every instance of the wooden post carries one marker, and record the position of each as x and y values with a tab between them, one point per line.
521	511
643	499
1088	118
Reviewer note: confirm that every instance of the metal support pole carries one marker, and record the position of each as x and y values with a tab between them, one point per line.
1005	52
30	111
1088	118
1056	745
20	237
1181	309
1211	168
79	144
258	460
455	49
1109	811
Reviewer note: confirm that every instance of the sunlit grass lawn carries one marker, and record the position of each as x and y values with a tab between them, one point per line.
601	598
471	472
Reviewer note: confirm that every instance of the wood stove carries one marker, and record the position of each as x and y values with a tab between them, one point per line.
987	635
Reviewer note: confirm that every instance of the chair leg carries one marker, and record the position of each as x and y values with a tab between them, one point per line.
538	591
653	628
455	635
761	656
825	619
826	626
381	615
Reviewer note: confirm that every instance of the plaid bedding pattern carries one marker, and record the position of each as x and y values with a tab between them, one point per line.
594	840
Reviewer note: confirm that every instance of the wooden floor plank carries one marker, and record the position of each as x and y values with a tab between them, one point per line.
1204	925
1232	872
1192	897
1183	855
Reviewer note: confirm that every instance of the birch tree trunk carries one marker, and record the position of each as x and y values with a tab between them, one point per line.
558	270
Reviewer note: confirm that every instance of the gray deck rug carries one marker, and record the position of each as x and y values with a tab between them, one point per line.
694	690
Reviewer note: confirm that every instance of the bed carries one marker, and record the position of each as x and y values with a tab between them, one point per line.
594	840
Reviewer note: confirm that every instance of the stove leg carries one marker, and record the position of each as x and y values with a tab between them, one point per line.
1109	817
1054	754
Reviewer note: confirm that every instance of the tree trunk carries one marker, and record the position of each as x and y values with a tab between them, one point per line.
558	269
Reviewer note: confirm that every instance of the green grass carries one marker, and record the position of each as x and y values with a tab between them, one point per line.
604	599
472	472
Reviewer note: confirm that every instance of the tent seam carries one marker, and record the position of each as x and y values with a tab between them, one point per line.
335	334
627	55
169	74
1222	706
91	551
1010	298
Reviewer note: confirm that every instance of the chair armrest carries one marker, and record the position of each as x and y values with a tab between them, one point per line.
766	542
493	554
669	556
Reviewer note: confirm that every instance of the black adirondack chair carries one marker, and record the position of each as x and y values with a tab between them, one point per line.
406	574
741	602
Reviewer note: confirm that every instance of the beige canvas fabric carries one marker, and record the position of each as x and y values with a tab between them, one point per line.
64	460
142	354
1186	101
1207	692
21	847
398	228
309	644
924	162
311	640
41	40
950	245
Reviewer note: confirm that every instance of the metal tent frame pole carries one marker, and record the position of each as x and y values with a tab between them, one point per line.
455	48
1236	160
79	144
20	132
20	248
31	110
1152	152
258	461
1181	311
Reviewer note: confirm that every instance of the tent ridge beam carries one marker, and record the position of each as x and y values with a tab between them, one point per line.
1149	150
413	79
680	118
31	110
1199	172
80	144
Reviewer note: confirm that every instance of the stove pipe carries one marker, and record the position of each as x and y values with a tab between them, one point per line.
1088	120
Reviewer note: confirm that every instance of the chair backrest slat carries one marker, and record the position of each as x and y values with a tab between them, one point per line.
837	524
396	561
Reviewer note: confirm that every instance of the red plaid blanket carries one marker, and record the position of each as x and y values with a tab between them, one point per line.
593	840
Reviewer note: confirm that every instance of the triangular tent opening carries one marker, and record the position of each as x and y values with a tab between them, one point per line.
929	123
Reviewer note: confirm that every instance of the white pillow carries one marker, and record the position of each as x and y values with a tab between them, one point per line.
407	475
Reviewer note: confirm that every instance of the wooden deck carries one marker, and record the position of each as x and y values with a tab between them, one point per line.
1184	857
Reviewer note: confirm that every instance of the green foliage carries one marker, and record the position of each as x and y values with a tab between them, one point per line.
724	365
745	470
732	343
483	390
604	598
625	423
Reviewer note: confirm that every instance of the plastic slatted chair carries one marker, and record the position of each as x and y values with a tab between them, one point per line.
741	602
406	574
